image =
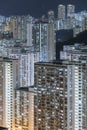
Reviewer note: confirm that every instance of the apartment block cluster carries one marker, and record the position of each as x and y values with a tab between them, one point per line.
37	92
69	19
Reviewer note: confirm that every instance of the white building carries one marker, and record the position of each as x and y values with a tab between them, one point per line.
8	81
29	34
70	10
61	12
26	67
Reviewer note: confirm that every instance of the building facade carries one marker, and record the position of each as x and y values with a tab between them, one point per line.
70	10
50	100
8	82
24	109
60	96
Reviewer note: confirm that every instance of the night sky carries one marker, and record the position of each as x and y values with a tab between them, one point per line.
36	8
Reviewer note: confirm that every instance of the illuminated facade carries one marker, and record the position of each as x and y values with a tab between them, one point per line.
8	81
22	28
24	109
26	61
60	96
74	112
50	101
26	67
40	39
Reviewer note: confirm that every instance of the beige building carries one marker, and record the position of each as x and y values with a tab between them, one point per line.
24	109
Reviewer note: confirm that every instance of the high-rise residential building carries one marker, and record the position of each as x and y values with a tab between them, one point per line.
61	12
40	39
29	34
24	108
26	67
31	108
66	19
73	52
70	10
23	25
51	47
8	82
26	61
84	26
26	58
60	95
7	27
2	19
44	39
51	16
50	101
22	28
51	36
14	27
79	22
76	110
